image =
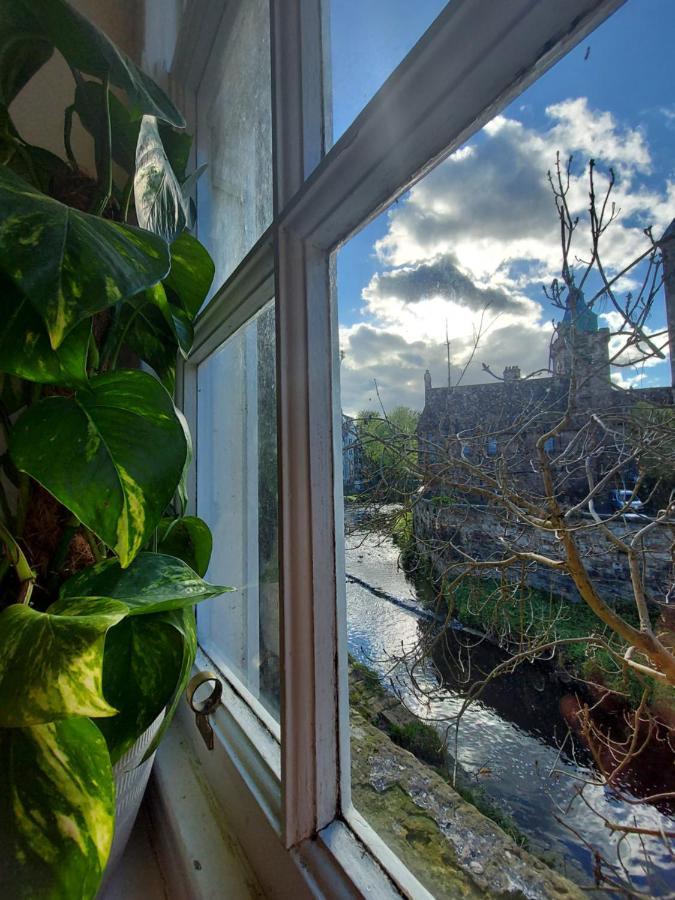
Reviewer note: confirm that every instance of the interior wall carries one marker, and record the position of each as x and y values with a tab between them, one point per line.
38	110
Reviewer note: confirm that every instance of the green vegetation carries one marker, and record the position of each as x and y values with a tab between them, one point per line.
422	740
99	569
477	797
507	612
389	447
369	699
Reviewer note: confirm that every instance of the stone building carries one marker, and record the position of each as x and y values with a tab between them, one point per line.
504	419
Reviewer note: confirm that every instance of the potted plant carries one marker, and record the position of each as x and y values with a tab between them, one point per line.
99	568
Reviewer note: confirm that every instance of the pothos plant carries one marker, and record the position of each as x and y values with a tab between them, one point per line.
99	569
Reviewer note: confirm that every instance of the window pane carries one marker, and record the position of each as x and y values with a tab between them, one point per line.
474	402
369	38
234	137
237	496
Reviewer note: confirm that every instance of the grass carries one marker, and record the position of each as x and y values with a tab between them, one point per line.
424	742
510	613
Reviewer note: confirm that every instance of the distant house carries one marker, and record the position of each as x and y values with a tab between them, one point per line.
352	456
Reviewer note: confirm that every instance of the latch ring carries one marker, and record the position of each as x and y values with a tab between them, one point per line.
210	703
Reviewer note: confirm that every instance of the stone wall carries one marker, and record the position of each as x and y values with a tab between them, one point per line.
478	531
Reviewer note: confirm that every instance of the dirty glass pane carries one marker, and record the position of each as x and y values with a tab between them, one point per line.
234	137
237	496
368	39
501	741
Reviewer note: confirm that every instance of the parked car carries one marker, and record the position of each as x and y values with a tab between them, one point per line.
623	497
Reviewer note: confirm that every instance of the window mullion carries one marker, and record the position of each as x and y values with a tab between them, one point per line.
307	545
300	105
305	391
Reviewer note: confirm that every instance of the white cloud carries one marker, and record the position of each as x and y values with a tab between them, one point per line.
472	243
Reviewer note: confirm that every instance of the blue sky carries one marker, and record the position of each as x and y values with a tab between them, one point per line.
482	225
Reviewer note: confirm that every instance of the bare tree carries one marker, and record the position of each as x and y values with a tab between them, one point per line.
563	487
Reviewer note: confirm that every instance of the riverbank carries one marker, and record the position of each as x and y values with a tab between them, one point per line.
514	742
512	616
399	786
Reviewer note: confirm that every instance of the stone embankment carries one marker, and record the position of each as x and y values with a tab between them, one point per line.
454	849
482	533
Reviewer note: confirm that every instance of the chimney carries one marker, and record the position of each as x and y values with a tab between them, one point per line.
512	373
427	386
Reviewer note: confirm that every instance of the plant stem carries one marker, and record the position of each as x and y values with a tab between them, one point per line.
126	198
109	340
120	342
67	129
16	556
104	154
90	538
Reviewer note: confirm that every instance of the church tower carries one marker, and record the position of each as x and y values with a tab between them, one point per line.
579	345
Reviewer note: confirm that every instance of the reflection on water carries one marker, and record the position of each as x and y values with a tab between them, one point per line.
514	740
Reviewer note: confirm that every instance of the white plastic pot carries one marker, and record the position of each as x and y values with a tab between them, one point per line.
131	780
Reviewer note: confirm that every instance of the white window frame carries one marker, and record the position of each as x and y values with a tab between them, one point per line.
476	57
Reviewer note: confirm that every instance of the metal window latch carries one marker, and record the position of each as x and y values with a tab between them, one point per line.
203	708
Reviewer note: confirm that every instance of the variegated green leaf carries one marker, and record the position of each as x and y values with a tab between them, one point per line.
156	330
56	811
119	439
23	49
188	538
183	620
152	583
191	274
141	668
24	343
125	125
51	664
68	263
160	206
87	48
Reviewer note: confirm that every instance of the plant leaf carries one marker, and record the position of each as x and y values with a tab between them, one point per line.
147	326
156	330
23	49
87	48
181	490
160	206
14	393
188	538
183	620
177	146
190	183
50	664
56	810
191	273
153	583
114	457
25	350
89	106
70	264
141	667
125	128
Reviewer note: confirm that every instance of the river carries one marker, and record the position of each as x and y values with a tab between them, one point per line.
511	739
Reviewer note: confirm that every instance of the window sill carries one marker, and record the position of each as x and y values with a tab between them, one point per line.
223	809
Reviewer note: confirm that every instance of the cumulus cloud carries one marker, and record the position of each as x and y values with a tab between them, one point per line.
440	277
470	246
491	204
